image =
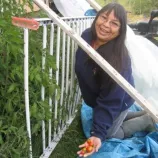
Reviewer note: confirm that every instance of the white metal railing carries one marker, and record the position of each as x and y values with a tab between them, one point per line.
65	79
100	60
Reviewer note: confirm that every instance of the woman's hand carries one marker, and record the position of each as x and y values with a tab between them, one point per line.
90	147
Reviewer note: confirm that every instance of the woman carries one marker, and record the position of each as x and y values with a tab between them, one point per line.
109	101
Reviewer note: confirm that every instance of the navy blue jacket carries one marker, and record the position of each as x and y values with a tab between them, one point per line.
106	104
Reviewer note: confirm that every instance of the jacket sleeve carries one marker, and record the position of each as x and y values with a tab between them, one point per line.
108	108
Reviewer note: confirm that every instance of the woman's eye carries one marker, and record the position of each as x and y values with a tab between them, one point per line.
104	17
115	24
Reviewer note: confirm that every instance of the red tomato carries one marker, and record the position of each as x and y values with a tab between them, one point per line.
89	142
82	152
89	149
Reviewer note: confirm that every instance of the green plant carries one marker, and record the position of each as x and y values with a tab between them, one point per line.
143	7
13	133
13	136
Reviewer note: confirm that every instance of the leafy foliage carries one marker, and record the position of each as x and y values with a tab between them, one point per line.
13	137
13	134
143	7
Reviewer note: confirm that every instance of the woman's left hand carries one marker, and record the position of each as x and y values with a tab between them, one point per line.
96	144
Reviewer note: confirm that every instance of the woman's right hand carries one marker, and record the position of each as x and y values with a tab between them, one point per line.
96	143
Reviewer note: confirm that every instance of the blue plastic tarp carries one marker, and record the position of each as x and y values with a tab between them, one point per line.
141	145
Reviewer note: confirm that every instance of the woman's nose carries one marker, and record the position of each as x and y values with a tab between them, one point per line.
106	23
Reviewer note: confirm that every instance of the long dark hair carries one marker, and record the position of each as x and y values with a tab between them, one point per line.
115	51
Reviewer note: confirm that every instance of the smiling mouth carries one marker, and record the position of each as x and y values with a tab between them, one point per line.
103	32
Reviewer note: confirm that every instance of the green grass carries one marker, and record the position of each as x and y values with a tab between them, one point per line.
68	145
101	2
131	17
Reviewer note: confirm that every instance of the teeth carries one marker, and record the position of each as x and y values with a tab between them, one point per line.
104	31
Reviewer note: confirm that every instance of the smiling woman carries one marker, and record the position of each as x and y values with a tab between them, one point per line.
107	28
110	103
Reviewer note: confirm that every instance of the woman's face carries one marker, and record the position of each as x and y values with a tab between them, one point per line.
107	27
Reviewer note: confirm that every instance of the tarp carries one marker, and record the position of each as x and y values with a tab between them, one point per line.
141	145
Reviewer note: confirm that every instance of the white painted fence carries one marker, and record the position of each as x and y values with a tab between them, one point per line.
70	95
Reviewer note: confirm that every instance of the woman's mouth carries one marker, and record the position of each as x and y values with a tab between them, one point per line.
103	32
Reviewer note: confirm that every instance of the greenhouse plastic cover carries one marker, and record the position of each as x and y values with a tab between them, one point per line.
73	8
144	56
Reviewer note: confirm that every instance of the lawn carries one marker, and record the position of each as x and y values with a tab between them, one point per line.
68	145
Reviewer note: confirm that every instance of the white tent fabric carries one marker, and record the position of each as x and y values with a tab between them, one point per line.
144	55
72	8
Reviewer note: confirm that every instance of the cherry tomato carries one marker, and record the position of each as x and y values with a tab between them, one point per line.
84	149
82	152
89	142
89	149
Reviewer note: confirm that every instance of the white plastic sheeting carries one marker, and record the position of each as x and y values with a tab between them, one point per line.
72	8
144	55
